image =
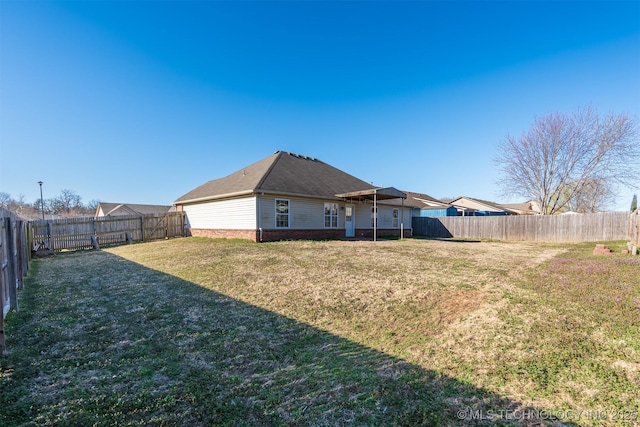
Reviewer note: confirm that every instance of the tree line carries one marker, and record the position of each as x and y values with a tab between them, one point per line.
67	204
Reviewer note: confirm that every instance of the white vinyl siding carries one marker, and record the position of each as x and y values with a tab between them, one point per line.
242	214
230	214
304	214
364	216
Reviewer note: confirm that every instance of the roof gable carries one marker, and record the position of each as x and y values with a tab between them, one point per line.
109	209
478	204
424	201
243	181
281	173
469	202
529	207
295	174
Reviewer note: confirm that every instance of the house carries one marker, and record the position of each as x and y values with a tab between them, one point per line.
468	206
530	207
116	209
427	206
290	196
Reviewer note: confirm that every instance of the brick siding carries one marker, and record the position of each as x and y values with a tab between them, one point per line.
288	234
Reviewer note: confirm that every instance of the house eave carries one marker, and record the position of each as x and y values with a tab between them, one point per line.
289	194
252	192
357	195
216	197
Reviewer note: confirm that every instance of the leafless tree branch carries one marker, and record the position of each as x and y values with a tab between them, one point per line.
570	160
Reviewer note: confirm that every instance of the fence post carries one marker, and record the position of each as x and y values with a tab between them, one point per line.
634	230
141	228
19	250
49	235
94	242
13	294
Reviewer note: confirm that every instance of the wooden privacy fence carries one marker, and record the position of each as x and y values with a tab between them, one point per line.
634	228
541	228
87	233
14	259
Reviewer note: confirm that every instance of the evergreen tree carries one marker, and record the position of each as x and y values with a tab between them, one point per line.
634	203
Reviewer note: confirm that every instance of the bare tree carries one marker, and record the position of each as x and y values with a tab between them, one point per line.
564	158
22	208
593	197
5	199
67	202
93	205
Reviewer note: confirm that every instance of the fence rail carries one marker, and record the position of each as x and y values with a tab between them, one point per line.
541	228
87	233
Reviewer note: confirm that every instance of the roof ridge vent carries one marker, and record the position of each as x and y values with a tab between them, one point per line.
299	156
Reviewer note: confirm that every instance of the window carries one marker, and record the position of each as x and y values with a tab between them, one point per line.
348	214
396	217
330	215
282	213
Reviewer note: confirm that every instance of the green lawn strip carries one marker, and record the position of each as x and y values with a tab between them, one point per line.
581	351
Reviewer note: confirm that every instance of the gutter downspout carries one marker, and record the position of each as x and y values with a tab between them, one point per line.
258	202
402	221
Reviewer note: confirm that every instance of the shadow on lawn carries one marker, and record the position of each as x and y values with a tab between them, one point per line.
100	340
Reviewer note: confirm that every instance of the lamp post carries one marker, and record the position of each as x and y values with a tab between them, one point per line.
41	200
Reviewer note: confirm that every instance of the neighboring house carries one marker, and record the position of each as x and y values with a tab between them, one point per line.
289	196
468	206
530	207
115	209
427	206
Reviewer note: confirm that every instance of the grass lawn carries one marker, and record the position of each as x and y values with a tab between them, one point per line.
203	332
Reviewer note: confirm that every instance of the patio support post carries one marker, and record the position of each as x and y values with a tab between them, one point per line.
375	216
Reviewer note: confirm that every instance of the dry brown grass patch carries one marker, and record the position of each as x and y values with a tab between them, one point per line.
401	297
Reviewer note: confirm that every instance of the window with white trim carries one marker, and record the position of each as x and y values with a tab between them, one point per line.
282	213
330	215
396	218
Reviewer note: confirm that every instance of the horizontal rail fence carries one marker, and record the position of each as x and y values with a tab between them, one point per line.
87	233
14	261
543	228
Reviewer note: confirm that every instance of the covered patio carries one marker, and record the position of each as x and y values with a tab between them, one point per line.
374	195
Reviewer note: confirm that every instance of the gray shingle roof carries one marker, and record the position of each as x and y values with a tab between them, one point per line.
280	173
134	209
424	201
484	202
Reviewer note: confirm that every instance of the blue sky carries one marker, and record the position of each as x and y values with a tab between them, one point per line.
141	101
